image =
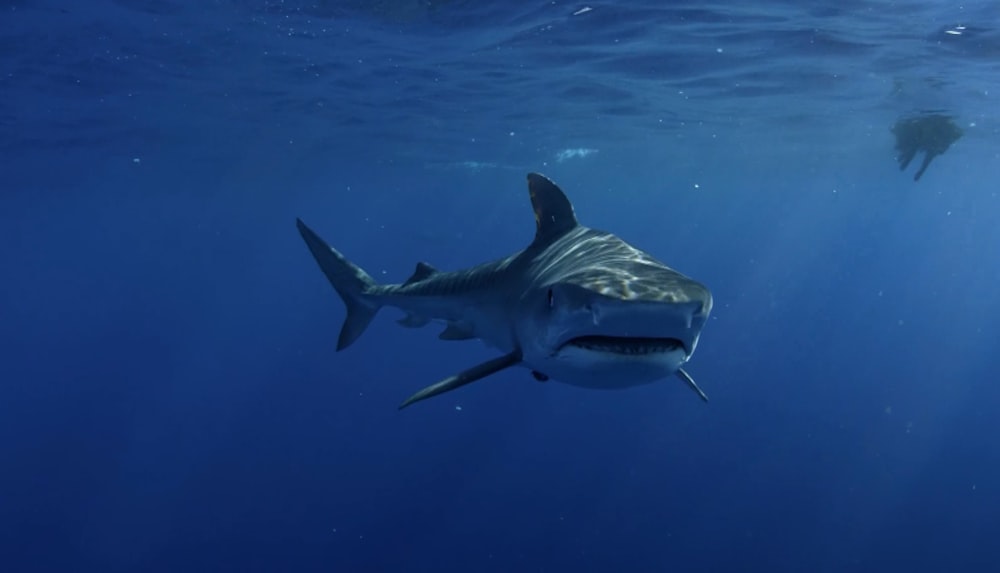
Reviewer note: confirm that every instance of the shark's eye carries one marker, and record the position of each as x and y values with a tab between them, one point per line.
552	299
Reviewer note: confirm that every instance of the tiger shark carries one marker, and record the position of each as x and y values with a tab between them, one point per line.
577	305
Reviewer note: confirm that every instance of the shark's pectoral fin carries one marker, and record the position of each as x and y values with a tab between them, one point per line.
465	377
691	383
455	332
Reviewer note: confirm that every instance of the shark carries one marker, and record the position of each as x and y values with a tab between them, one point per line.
577	305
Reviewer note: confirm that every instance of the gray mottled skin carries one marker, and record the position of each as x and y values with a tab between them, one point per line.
539	306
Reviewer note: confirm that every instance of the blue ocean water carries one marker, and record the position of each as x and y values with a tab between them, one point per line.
170	398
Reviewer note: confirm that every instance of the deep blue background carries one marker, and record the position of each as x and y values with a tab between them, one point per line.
169	395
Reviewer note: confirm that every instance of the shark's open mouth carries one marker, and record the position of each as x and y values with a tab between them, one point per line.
626	345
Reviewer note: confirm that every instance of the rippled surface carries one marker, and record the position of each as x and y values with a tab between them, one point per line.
328	72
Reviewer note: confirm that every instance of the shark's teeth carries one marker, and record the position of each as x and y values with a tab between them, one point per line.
626	345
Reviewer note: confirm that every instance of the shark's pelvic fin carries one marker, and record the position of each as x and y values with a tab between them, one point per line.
691	383
554	215
350	282
465	377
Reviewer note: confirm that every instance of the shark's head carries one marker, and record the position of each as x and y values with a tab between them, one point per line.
612	316
599	312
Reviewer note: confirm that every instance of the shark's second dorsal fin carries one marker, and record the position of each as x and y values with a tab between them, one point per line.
423	271
553	212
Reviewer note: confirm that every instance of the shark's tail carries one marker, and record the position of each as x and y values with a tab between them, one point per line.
351	282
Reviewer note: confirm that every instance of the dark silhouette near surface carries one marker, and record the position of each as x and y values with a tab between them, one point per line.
931	133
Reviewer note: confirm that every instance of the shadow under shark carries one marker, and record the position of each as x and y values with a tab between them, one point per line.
578	305
932	133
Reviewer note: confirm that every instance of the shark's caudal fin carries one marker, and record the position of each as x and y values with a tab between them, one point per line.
350	281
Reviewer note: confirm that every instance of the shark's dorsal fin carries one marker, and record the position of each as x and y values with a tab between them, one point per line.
554	215
422	272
